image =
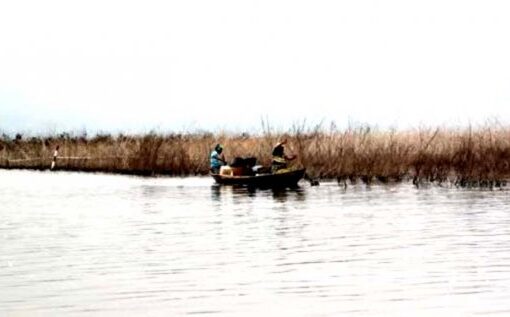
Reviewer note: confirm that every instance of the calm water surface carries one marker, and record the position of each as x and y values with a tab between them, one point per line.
74	244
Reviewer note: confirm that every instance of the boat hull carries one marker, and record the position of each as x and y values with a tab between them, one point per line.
287	179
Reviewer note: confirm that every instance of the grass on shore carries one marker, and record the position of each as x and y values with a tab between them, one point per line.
466	157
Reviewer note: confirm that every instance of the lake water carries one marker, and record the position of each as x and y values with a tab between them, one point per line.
76	244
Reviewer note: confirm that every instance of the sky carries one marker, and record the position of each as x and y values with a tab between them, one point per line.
187	65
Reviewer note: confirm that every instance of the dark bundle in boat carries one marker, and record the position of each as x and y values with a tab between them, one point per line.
243	166
244	162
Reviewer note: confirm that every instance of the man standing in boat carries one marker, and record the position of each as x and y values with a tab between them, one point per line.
280	161
217	159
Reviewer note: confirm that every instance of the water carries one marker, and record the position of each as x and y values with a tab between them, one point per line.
74	244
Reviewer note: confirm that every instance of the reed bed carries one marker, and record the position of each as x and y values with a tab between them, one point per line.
464	157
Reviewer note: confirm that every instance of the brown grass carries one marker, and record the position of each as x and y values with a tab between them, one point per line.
465	157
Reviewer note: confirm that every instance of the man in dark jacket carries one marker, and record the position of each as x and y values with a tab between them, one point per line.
280	160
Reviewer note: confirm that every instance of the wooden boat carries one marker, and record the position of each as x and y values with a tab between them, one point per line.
269	180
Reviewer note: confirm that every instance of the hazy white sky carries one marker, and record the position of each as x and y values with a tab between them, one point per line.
137	65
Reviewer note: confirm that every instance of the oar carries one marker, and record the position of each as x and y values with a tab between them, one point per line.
313	182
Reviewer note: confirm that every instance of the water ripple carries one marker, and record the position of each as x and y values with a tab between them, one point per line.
80	244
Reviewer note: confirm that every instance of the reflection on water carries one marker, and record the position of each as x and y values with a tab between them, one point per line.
85	244
239	192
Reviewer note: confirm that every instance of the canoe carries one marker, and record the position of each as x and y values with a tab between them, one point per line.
285	179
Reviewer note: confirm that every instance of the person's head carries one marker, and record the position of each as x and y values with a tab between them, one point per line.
278	150
218	148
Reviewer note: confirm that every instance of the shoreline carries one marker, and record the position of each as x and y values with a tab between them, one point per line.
342	182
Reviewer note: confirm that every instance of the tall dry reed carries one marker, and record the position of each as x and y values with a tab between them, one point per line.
466	157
